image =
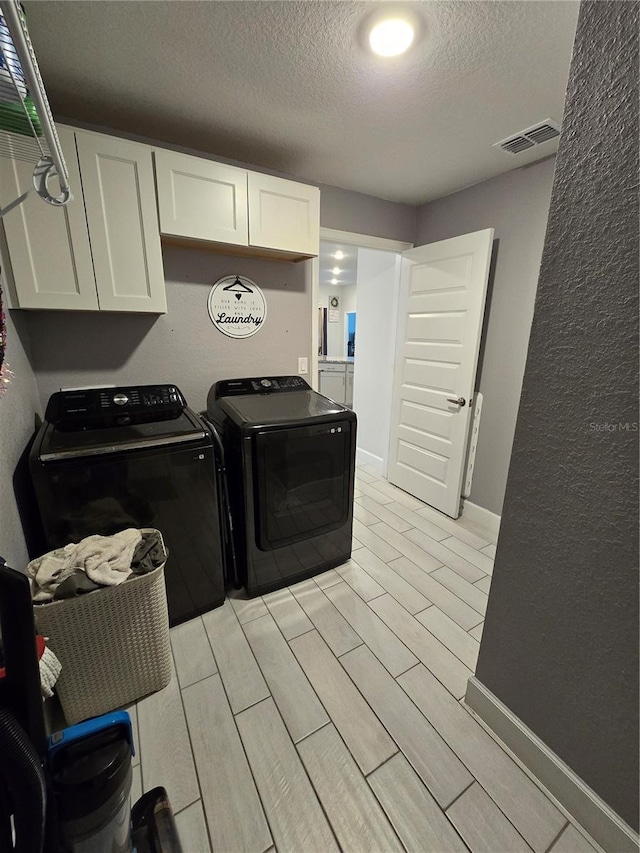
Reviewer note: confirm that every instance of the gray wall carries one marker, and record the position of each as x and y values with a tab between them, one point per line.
345	210
516	205
17	408
560	642
181	346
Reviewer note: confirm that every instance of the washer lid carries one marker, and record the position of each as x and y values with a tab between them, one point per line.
280	408
57	444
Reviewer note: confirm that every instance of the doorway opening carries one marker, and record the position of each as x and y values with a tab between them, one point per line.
358	287
337	309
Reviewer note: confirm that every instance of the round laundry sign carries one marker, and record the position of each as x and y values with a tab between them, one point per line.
237	306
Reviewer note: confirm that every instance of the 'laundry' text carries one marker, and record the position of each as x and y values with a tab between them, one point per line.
227	318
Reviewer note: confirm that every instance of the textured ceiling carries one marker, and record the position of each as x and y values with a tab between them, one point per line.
289	86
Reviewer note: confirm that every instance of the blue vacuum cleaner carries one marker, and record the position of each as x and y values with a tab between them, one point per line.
68	792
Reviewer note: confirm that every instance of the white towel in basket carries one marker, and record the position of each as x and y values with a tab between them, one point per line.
105	559
50	668
48	572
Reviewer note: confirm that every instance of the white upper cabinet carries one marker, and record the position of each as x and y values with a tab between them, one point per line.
200	199
283	215
48	246
203	200
120	202
102	251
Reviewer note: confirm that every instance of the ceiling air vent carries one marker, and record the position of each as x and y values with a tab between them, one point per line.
516	144
539	133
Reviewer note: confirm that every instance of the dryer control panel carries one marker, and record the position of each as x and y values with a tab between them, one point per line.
259	385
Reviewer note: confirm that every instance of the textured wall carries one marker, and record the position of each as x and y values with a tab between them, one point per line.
17	409
560	643
181	346
516	205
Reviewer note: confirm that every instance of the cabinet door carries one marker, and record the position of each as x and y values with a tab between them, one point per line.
348	397
332	385
201	199
283	215
48	246
120	200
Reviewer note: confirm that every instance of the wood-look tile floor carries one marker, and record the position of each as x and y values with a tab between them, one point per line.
328	716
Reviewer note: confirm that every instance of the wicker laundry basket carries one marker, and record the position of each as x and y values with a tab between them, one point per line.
113	644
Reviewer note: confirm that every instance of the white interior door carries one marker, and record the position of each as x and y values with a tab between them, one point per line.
442	298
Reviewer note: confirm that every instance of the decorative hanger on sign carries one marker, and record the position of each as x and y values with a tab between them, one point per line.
238	286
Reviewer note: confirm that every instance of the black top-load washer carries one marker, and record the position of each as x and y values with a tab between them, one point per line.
110	458
289	459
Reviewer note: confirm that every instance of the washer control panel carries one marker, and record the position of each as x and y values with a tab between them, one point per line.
93	407
260	385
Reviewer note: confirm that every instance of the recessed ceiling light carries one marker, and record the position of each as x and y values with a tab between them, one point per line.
334	281
336	270
339	255
391	37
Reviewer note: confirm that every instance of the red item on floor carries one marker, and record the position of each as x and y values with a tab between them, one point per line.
40	647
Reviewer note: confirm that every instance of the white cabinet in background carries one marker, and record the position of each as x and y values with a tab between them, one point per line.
100	252
120	201
201	199
332	385
48	247
283	215
333	381
348	395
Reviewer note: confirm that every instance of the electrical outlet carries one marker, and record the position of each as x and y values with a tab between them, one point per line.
303	365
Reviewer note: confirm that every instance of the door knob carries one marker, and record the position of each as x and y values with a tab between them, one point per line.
459	401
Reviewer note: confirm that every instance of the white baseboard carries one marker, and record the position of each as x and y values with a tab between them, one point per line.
580	801
481	516
363	457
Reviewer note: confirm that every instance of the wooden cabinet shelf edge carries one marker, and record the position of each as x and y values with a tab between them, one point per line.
231	250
